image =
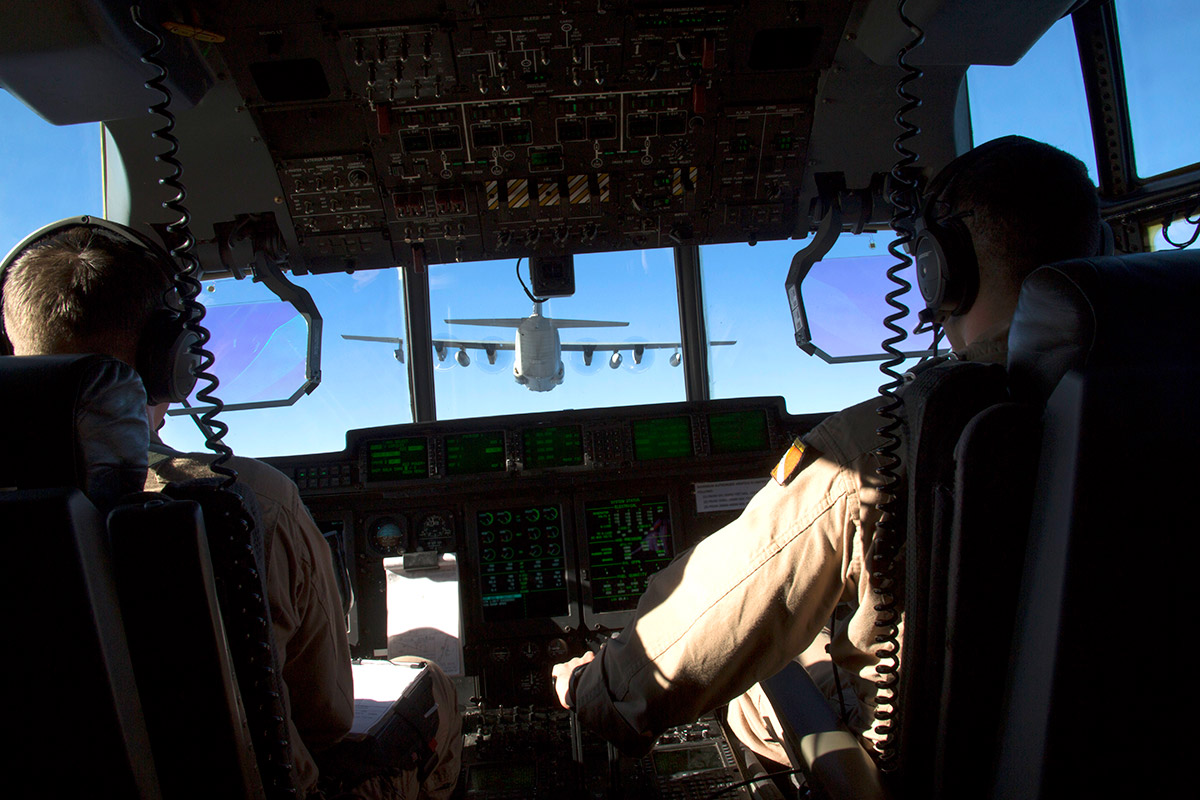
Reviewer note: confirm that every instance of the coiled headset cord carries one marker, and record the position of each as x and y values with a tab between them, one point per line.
186	281
888	543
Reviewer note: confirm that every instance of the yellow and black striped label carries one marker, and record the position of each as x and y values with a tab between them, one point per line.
548	194
518	193
577	190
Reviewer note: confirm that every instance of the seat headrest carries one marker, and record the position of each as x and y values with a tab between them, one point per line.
1105	311
73	420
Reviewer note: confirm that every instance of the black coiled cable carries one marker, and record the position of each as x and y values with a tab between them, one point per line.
887	542
243	582
1166	234
186	282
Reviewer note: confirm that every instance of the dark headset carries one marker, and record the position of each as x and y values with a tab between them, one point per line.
947	267
164	358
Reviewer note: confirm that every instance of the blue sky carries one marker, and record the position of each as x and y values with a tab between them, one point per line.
47	173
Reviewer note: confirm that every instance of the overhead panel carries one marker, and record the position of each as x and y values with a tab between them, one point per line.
486	131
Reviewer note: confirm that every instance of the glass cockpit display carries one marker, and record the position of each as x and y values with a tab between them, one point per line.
522	563
628	540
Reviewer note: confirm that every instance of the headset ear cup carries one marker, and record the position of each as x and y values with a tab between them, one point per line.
165	362
947	269
931	270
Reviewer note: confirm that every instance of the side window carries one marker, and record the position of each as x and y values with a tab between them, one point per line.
1041	97
745	302
46	172
1158	41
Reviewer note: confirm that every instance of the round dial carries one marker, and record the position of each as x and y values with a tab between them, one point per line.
388	535
436	533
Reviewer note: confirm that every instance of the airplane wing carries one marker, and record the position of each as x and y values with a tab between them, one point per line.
580	347
585	323
398	353
474	344
508	322
390	339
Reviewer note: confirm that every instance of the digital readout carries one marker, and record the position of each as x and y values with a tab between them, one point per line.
738	432
522	566
473	453
558	446
628	540
669	437
397	459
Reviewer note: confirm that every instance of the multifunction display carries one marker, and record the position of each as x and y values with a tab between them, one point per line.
398	459
738	432
669	437
552	446
628	540
474	453
522	566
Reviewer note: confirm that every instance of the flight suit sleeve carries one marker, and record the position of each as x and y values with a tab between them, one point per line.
310	632
729	612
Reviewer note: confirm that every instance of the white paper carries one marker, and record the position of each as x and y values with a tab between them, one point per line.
424	616
377	685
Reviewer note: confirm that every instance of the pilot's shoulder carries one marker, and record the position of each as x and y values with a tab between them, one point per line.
850	433
263	479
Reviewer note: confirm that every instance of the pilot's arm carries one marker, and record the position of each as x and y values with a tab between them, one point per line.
737	607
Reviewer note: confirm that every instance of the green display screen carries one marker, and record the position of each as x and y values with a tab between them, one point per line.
397	459
670	437
738	432
474	453
557	446
522	563
628	540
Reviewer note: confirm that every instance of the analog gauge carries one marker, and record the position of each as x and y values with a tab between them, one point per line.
388	535
557	648
501	654
436	533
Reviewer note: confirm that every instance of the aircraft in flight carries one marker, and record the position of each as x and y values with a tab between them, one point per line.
537	345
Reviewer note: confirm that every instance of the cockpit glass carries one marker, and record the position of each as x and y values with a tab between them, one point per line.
49	172
260	342
1158	39
1041	96
617	336
844	298
258	345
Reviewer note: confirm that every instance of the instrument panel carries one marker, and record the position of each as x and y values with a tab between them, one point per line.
558	521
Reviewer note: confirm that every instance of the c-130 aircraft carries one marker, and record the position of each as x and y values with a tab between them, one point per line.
537	346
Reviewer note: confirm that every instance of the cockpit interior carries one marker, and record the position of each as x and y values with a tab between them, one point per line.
407	155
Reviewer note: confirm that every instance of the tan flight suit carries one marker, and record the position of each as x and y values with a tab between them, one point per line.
310	631
756	594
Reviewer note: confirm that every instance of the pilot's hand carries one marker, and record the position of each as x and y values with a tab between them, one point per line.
562	675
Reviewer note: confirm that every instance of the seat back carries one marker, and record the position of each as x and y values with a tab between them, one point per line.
69	661
139	595
1111	341
938	405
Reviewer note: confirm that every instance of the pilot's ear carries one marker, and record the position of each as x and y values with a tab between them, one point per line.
156	415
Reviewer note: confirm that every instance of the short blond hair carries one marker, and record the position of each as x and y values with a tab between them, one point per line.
81	291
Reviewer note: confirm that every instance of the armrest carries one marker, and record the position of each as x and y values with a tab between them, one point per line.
832	757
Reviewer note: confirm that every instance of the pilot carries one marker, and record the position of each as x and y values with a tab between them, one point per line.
739	605
94	288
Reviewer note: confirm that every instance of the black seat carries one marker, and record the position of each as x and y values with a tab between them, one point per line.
130	640
69	664
1093	690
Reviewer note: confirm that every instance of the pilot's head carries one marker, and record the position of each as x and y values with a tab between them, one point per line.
992	216
95	287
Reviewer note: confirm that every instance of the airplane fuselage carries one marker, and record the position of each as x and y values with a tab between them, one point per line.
538	354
